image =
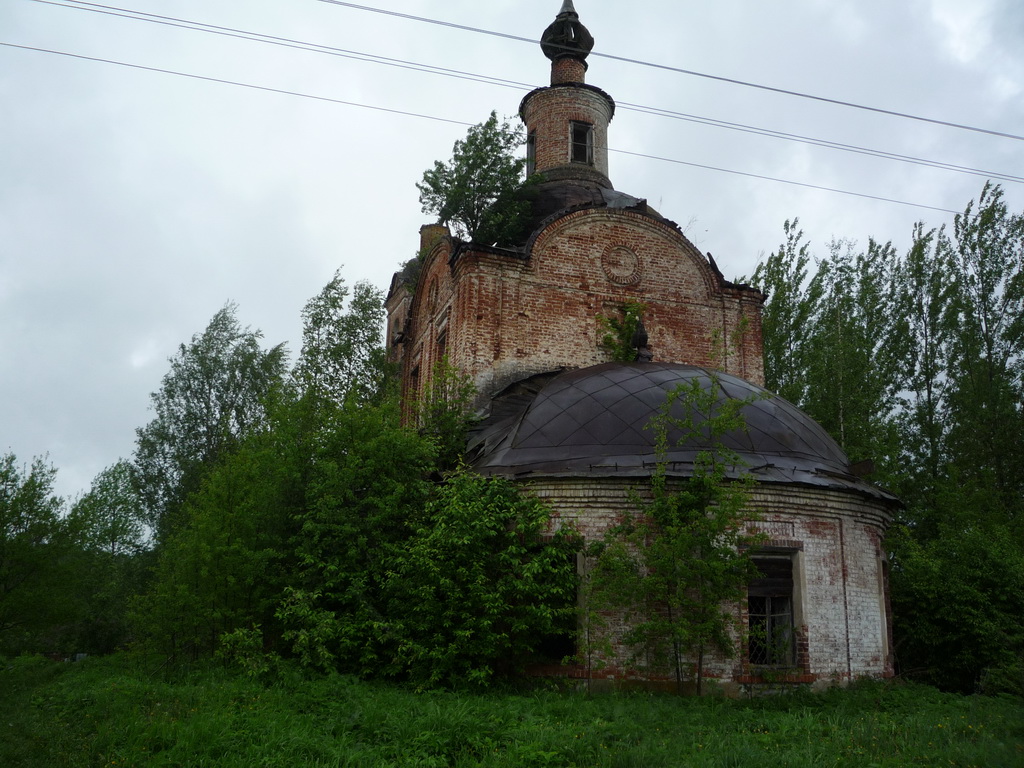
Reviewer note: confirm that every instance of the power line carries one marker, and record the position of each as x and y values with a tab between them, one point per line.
284	42
487	79
826	143
781	181
239	84
444	120
694	73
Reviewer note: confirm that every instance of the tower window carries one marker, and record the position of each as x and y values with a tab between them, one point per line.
770	614
531	153
582	143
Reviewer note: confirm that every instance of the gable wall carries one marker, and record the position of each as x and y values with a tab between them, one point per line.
515	317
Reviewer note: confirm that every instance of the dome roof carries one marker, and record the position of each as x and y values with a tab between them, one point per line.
566	37
594	422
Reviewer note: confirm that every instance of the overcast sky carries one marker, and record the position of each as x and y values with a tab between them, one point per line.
135	203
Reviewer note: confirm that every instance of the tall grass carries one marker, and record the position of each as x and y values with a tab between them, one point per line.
126	711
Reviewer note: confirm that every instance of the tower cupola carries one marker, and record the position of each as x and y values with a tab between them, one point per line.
567	122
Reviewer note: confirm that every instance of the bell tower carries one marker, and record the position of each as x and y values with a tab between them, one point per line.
567	122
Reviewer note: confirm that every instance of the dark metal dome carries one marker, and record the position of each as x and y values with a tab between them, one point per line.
594	422
566	37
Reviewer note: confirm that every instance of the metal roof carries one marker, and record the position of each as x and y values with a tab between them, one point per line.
594	422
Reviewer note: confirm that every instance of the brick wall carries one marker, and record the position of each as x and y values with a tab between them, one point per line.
507	317
835	538
548	114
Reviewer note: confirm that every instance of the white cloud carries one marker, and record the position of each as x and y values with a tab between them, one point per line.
967	26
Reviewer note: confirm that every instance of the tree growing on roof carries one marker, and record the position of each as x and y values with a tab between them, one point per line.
475	192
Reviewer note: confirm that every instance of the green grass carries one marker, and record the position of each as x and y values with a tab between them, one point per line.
123	711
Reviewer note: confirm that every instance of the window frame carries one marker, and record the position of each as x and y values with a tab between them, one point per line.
581	142
772	603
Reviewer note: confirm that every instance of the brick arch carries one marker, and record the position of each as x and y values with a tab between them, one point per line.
659	244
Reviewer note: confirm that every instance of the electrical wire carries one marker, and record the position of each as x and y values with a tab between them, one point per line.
718	78
443	120
781	181
487	79
284	42
237	83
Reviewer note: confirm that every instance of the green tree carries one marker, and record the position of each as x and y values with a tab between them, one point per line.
342	352
986	322
620	337
366	484
855	353
226	566
833	343
958	599
678	565
788	310
444	414
213	396
476	191
480	585
925	287
112	564
37	544
112	512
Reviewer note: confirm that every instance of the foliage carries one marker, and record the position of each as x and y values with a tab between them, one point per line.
111	560
122	712
444	414
959	598
619	337
678	565
224	567
475	192
366	487
213	397
832	343
925	288
916	361
986	394
787	315
37	548
479	585
243	650
112	512
342	355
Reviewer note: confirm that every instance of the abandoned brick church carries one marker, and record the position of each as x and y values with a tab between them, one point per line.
559	418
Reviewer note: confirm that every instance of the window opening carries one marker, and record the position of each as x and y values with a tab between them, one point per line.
770	614
414	384
559	646
531	153
442	344
582	143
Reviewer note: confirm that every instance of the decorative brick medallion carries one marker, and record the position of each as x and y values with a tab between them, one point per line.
621	265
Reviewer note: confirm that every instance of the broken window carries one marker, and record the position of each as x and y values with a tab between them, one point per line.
770	613
582	143
531	153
